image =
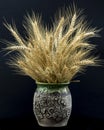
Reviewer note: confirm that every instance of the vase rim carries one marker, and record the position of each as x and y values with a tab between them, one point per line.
43	83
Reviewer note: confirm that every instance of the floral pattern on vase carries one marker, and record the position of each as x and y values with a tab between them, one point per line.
52	106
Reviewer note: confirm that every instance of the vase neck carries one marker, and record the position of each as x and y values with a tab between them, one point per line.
52	85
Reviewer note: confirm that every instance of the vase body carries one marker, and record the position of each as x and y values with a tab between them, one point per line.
52	104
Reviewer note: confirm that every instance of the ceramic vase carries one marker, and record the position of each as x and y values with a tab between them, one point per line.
52	104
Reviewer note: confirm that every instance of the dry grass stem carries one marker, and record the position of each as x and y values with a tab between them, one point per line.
53	55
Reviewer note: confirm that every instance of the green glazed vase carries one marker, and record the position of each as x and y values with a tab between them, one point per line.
52	104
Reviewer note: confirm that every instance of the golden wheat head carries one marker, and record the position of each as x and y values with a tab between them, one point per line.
53	55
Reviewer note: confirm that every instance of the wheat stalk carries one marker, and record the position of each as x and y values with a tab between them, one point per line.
53	55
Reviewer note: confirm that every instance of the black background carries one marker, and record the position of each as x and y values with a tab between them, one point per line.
16	91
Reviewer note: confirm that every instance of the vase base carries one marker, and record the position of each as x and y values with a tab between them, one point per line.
51	124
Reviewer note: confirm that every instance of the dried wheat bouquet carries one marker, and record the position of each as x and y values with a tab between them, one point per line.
56	54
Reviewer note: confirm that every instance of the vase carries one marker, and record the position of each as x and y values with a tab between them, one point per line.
52	104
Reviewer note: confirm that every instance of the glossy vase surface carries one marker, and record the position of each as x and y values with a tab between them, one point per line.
52	104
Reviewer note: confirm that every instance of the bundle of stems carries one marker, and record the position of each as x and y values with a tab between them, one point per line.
55	54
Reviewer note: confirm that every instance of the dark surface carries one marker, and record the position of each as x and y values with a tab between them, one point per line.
75	123
16	92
